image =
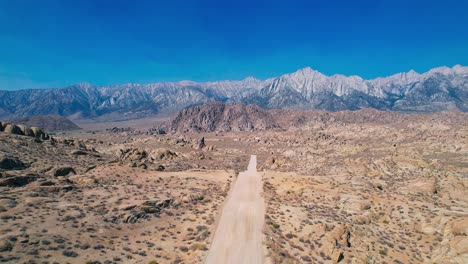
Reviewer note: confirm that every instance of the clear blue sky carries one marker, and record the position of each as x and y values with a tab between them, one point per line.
57	43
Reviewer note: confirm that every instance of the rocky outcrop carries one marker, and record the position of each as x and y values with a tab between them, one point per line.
13	129
132	154
48	123
38	133
23	130
221	117
27	131
133	213
162	154
18	181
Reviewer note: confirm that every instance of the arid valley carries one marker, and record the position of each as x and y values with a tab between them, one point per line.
346	187
233	132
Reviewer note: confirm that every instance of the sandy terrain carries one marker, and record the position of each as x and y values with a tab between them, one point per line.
238	237
393	191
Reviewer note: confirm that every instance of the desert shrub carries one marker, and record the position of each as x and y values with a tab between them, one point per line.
70	253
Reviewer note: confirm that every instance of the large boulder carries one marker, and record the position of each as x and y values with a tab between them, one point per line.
26	131
13	129
3	125
162	154
132	154
11	163
38	133
23	130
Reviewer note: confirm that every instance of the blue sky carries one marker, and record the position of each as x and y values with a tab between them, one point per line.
46	44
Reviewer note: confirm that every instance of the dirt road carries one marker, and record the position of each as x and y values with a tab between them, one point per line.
238	237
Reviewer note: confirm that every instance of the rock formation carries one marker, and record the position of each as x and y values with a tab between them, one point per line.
49	123
221	117
23	130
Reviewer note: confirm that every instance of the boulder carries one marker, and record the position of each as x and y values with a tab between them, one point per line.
162	154
3	125
23	130
11	163
38	133
132	154
13	129
133	213
26	131
64	171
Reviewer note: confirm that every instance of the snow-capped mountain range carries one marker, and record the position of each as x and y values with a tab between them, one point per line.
441	88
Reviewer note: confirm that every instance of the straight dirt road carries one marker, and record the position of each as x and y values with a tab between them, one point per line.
239	236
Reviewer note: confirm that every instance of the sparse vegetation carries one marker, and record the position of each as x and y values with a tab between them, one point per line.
335	191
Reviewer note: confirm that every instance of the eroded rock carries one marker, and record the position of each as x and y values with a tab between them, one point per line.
64	171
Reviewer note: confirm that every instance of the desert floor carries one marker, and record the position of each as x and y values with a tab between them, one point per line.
341	192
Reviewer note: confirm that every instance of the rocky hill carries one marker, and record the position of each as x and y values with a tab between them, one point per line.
226	117
48	123
221	117
439	89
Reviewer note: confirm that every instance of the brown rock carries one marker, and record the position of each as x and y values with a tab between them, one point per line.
26	131
132	154
222	117
13	129
64	171
38	133
162	154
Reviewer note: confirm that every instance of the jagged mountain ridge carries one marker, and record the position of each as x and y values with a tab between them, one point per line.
441	88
